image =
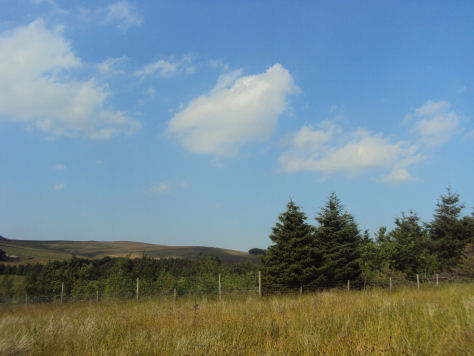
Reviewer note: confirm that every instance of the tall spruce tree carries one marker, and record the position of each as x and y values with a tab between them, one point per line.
292	260
410	253
448	237
339	239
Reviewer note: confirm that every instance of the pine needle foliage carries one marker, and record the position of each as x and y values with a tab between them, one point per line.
448	238
292	260
340	241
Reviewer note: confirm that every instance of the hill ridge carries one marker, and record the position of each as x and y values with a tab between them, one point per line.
41	251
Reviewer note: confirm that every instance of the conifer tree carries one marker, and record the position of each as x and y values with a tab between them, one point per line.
339	238
410	253
448	237
292	260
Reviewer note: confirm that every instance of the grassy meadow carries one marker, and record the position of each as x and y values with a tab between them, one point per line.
405	321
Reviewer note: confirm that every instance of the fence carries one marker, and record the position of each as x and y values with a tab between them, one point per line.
389	283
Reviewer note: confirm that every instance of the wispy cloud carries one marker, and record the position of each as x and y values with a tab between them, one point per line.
38	2
59	186
123	15
59	167
469	135
237	110
166	68
37	87
159	188
398	176
112	66
434	122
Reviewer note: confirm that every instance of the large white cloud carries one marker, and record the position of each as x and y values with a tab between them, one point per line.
327	149
237	110
36	87
434	122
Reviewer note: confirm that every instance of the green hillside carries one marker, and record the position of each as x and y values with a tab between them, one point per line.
31	251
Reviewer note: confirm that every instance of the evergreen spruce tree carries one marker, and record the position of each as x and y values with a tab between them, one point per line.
448	237
339	239
410	253
292	260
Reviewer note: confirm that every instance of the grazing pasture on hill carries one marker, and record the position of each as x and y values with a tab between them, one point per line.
405	321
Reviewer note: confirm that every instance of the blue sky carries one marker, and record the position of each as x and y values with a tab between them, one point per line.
194	122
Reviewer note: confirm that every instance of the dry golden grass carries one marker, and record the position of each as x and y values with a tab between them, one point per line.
434	321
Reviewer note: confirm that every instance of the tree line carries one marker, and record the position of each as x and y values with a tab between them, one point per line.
116	277
323	255
334	250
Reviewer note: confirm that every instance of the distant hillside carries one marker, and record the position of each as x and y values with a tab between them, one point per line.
31	251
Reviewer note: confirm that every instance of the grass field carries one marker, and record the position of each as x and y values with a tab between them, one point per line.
432	321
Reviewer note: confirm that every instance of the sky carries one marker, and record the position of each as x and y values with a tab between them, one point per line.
195	122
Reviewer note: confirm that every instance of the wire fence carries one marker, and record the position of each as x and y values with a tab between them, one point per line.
218	293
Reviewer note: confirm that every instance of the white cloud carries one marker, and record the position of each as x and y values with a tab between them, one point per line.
328	150
398	176
59	186
36	88
166	68
218	64
112	66
59	167
159	188
434	122
237	110
123	15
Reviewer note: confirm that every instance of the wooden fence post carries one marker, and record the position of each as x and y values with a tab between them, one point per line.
348	285
137	287
390	283
97	295
26	298
301	289
220	289
174	294
418	280
62	292
437	279
259	283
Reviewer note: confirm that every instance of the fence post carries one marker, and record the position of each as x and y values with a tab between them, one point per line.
137	287
26	298
348	285
174	294
301	289
259	283
62	292
390	283
220	289
97	295
418	280
437	279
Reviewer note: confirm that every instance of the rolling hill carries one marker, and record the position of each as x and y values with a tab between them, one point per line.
41	251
